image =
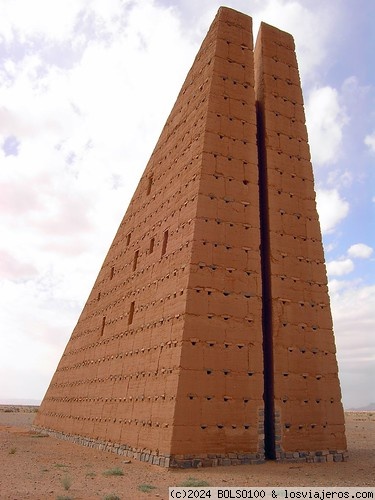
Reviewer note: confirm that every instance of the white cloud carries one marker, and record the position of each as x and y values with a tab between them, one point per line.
311	28
353	308
339	179
360	250
84	134
325	118
370	141
332	209
56	20
340	267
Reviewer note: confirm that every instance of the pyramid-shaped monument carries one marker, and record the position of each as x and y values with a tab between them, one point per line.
207	337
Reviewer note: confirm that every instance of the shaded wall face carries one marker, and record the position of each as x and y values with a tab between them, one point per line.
306	395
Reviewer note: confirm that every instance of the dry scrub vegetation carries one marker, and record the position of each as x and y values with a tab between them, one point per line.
36	467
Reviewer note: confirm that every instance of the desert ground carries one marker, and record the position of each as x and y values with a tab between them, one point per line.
35	467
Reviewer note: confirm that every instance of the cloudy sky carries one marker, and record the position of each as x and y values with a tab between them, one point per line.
85	88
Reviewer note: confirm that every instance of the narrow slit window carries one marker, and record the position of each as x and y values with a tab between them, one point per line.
149	184
165	242
112	272
128	238
103	326
135	260
131	313
152	244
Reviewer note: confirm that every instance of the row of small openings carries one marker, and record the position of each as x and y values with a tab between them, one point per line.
222	426
283	277
102	399
198	103
303	375
292	175
291	157
174	273
226	293
230	179
300	258
130	318
136	254
214	267
171	179
110	378
225	371
235	82
89	331
225	97
227	247
306	401
219	221
160	207
301	303
210	397
227	317
227	200
287	80
234	139
290	137
304	350
301	326
176	128
298	237
93	345
151	248
225	157
213	343
231	118
304	426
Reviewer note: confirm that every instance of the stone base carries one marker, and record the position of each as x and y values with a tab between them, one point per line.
313	456
166	460
195	461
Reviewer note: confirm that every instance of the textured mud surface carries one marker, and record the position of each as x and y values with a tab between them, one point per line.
36	467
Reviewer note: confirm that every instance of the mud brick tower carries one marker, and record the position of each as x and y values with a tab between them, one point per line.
207	337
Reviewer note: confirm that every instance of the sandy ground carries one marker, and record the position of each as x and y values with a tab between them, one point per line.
34	467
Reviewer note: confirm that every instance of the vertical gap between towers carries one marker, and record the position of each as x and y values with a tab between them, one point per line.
269	406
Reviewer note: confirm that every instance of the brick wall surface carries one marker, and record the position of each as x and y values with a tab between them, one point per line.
306	390
166	363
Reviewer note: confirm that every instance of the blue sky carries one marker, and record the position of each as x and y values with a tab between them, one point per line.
85	90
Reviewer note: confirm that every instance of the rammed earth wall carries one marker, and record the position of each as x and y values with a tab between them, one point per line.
207	337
